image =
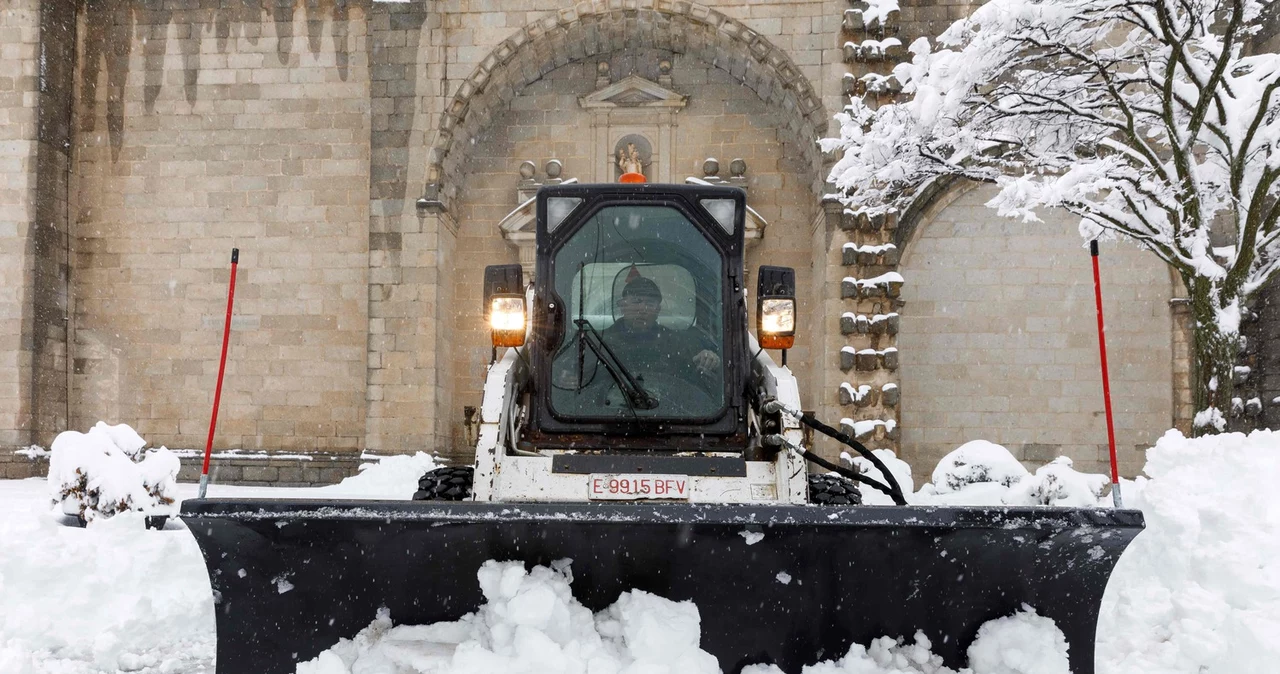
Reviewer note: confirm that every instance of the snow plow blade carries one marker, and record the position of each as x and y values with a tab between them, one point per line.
292	577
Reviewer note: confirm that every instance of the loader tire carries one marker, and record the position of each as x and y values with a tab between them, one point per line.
445	484
833	490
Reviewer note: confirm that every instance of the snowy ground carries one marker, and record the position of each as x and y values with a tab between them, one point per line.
1197	593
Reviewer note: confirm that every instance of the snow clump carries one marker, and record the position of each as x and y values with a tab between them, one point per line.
1023	643
384	477
531	623
105	471
900	469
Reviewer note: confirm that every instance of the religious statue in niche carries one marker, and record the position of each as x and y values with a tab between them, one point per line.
633	154
629	159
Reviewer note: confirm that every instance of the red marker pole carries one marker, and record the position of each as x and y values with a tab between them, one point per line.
1106	382
222	367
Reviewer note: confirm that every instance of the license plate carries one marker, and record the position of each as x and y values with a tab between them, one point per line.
605	487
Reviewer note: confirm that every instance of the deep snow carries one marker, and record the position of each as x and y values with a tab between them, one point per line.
1197	593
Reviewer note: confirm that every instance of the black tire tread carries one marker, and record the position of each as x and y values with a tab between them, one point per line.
445	484
833	490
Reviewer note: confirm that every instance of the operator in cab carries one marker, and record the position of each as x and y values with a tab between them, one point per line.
644	345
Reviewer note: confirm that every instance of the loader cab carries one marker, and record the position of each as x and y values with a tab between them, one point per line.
639	321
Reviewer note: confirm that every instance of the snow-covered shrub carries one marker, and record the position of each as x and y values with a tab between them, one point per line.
984	473
976	462
106	471
1058	484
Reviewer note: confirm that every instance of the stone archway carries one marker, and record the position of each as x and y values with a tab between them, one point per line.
598	27
490	131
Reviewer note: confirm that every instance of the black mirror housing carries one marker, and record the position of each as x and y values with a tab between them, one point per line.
775	282
502	279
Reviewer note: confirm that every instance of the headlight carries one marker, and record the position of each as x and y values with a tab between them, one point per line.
778	317
777	323
507	320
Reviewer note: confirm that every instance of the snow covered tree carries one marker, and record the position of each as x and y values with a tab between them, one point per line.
1149	119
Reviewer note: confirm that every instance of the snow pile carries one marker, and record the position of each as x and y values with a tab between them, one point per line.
388	477
531	623
105	472
1198	592
113	596
984	473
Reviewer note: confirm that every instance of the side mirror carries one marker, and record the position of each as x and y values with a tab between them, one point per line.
776	307
504	304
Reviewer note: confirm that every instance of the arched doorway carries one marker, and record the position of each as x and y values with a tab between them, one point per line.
742	99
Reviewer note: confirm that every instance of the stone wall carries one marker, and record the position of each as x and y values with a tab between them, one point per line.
318	469
410	253
201	128
1258	369
999	340
1263	332
19	52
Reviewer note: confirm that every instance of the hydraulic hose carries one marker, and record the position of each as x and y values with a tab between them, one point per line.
893	489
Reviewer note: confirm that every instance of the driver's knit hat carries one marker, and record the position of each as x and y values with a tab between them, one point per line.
639	286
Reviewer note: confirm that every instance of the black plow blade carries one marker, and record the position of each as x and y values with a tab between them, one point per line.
291	577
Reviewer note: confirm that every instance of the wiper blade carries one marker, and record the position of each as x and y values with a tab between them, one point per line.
630	386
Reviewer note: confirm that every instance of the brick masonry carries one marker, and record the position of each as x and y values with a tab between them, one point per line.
361	155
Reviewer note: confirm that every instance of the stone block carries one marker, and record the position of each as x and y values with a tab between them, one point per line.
263	474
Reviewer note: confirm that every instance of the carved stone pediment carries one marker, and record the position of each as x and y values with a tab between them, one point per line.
633	91
518	229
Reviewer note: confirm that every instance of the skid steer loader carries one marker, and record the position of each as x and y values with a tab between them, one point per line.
634	425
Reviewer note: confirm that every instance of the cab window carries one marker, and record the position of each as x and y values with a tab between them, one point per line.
644	333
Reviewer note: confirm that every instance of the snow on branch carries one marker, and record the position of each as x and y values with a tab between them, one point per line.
1146	120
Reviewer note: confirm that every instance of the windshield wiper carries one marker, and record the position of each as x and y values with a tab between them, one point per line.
636	395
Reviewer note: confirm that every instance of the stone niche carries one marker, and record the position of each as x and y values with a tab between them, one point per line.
633	125
632	114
